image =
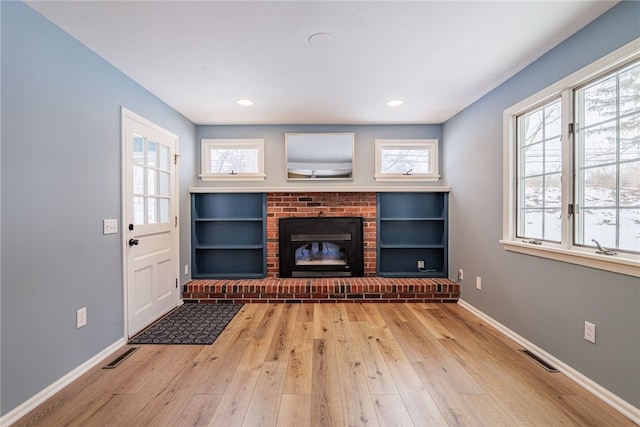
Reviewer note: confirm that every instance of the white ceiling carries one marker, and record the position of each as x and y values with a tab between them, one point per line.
200	57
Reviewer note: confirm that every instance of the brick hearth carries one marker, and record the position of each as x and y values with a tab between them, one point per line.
324	290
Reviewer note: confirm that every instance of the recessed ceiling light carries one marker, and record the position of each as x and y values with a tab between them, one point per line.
320	39
395	102
245	102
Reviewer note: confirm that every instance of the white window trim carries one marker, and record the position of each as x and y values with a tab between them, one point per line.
205	159
624	263
429	144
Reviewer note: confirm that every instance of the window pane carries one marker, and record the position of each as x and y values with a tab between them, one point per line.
531	126
608	161
630	184
532	223
234	160
630	90
630	137
600	144
533	192
405	160
138	210
552	190
553	156
552	225
630	229
600	101
599	188
539	171
600	225
152	154
533	159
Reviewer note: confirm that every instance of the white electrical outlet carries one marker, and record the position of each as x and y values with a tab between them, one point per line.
81	317
460	274
420	264
590	332
478	282
186	269
109	226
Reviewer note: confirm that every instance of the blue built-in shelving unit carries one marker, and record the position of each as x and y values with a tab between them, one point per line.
412	227
228	235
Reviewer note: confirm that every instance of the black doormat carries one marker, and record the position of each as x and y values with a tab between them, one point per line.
189	324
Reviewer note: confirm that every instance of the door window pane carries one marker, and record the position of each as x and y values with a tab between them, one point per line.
164	158
152	210
164	184
165	211
152	154
138	210
152	181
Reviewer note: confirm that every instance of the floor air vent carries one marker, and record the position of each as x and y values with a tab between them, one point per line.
540	361
118	360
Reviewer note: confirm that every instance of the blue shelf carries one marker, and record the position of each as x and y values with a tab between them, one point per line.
228	235
412	227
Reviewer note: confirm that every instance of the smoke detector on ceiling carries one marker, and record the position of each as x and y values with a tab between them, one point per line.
320	39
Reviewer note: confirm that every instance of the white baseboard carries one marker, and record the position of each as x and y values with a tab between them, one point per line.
28	406
622	406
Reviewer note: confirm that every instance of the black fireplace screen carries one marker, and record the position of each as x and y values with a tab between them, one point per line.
321	247
320	250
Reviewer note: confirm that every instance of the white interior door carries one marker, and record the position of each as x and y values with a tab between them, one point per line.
150	222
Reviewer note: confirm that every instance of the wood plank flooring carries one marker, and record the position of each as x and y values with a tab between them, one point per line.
331	365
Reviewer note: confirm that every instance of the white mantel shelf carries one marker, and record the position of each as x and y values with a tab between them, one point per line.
323	189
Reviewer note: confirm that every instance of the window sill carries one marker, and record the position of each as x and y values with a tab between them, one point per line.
229	177
629	266
398	178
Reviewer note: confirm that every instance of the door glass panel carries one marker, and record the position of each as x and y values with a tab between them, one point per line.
165	212
138	149
152	181
138	180
164	183
152	210
152	154
138	210
164	158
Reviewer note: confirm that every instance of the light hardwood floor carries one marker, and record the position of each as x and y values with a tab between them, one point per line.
331	365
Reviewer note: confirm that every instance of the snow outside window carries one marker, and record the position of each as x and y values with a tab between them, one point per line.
232	159
406	160
572	167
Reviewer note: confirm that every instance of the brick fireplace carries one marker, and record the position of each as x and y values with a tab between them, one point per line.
312	204
370	288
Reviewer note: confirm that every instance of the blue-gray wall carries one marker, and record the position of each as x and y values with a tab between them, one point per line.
61	176
274	136
545	301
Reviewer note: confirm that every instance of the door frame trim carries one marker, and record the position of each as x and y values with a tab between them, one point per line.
128	114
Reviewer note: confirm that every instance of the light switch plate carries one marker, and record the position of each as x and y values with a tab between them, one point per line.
110	226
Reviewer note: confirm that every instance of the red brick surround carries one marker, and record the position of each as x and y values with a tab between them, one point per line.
324	290
310	204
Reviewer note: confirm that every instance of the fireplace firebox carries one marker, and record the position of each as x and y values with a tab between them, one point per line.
321	247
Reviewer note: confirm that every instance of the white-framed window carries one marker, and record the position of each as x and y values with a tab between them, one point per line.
572	167
232	159
406	160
